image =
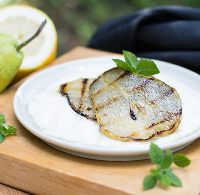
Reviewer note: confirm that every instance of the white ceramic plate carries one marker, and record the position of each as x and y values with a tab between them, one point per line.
38	82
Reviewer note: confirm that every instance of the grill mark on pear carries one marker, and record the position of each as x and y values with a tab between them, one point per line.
77	93
153	107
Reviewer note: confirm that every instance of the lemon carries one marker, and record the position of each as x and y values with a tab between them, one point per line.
21	22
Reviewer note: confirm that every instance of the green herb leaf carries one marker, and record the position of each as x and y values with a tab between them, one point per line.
155	171
163	171
1	138
5	129
181	160
168	159
150	181
147	67
144	67
2	118
11	129
165	180
174	179
156	154
6	126
124	65
130	59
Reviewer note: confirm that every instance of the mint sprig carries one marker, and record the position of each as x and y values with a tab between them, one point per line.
164	172
5	129
144	67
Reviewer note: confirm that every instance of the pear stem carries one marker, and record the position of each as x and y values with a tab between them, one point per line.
33	37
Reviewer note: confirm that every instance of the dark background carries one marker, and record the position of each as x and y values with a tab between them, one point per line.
77	20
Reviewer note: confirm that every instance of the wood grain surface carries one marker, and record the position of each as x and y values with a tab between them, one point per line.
6	190
30	165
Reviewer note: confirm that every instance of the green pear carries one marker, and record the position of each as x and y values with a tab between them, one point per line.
11	57
10	60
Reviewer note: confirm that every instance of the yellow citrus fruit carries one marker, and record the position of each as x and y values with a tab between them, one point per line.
21	22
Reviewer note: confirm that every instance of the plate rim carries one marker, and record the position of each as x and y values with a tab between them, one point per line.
93	149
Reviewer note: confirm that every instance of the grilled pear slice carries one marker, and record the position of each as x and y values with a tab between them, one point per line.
77	93
133	107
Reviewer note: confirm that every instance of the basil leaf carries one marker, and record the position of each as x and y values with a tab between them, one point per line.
168	159
1	138
156	154
181	160
165	180
130	59
149	181
147	67
124	65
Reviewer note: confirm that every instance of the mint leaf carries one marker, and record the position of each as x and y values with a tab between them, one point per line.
150	181
11	129
155	171
163	171
147	67
174	179
124	65
1	138
181	160
156	154
5	129
144	67
168	159
130	59
165	180
2	118
5	126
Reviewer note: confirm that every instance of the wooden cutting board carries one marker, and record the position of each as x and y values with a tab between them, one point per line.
28	164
